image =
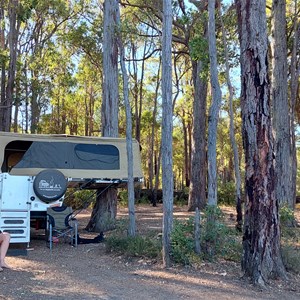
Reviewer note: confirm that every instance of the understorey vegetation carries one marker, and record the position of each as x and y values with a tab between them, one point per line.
219	240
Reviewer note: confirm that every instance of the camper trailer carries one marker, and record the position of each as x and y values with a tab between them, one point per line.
36	171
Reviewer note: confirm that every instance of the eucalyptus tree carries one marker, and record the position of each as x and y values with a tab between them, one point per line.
3	49
154	167
198	48
183	111
12	7
167	129
238	200
42	26
130	183
261	236
105	209
281	119
189	36
214	108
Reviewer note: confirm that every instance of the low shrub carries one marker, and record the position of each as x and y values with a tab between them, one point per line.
287	216
217	239
291	257
136	246
290	240
182	240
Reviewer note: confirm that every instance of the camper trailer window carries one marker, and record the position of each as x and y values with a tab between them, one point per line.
65	155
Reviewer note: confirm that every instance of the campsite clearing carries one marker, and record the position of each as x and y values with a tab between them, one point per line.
88	272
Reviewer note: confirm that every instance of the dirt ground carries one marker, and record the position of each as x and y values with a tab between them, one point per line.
88	272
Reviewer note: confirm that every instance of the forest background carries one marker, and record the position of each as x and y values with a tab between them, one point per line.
51	76
51	82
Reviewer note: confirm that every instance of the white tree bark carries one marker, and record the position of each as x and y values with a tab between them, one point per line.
167	130
110	107
214	108
130	184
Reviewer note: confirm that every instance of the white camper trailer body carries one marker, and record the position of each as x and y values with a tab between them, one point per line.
37	169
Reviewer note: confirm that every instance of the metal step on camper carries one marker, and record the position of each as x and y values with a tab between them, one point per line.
17	224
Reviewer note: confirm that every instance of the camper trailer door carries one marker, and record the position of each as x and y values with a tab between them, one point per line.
15	207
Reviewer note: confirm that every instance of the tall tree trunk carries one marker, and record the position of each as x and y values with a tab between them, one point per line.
197	191
214	108
26	99
35	110
130	183
281	120
186	170
167	130
11	74
17	105
236	160
104	212
261	240
2	47
109	109
138	88
152	165
294	95
157	173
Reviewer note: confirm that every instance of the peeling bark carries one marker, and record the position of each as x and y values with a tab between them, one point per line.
261	240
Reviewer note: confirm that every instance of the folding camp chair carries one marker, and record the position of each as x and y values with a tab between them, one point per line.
62	225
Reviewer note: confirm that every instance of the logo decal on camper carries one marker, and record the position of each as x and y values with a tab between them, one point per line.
50	185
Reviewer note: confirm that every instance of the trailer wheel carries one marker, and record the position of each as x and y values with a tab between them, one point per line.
50	185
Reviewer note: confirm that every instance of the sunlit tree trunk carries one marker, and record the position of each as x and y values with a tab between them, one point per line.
6	106
2	47
130	183
236	160
281	120
167	129
152	165
214	108
105	210
261	238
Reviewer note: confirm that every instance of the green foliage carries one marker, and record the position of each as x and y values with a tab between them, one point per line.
213	230
231	247
217	239
291	257
123	198
290	240
287	216
80	199
182	241
181	197
226	193
199	51
137	246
